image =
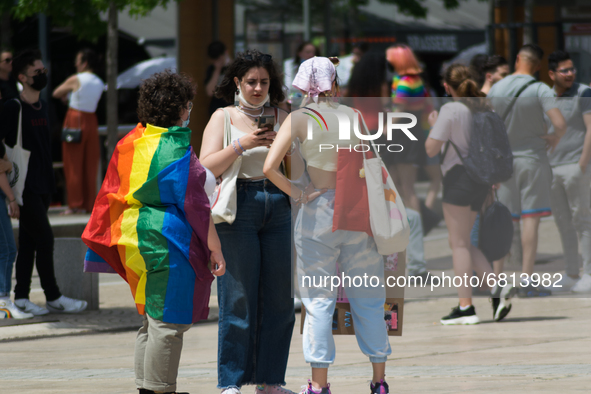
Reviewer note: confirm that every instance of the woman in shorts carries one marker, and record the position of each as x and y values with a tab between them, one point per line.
462	197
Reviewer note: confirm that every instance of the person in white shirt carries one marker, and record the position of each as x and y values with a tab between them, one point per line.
81	156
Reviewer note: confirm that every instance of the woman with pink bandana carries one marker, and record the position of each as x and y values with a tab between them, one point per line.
328	231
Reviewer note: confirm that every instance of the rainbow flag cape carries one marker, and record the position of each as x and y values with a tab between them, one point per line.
150	223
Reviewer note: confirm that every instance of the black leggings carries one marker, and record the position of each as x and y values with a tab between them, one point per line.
35	235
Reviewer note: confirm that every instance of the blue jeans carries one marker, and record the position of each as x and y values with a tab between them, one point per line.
7	248
319	250
416	249
256	307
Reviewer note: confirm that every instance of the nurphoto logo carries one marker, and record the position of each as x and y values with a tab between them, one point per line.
344	123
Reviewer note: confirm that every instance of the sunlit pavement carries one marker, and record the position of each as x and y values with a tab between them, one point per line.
544	345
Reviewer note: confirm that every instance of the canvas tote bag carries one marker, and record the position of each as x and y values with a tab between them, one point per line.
387	214
20	161
223	200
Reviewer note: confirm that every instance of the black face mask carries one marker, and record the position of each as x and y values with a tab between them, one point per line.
39	82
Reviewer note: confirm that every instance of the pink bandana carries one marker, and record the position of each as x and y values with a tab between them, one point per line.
315	76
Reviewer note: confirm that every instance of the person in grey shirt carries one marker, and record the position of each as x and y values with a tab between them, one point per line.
571	182
527	193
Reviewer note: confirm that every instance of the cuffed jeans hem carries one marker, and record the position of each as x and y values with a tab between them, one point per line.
266	384
155	386
319	365
377	360
228	387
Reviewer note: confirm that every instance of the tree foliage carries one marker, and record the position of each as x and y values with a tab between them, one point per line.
407	7
82	17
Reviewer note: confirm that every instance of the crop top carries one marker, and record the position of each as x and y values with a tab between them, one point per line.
321	151
86	98
253	159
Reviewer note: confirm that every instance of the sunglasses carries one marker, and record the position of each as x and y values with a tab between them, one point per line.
566	71
40	71
263	58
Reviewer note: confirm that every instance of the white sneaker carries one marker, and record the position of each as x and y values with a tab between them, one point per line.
11	310
231	390
564	285
583	285
66	305
27	306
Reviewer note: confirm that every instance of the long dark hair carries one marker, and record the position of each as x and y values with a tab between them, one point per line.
368	77
243	62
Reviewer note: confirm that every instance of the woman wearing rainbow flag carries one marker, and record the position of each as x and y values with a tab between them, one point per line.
256	306
152	224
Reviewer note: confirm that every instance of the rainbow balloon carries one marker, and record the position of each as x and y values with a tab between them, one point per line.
150	223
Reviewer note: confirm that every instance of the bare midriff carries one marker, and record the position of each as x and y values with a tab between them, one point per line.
322	179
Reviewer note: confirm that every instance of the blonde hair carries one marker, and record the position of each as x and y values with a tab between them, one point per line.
403	59
459	77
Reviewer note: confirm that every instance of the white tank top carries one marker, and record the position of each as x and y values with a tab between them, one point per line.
86	98
254	159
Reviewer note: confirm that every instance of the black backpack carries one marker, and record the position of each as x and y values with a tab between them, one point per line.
496	231
489	159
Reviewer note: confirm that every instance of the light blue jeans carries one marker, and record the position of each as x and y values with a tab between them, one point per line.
415	250
319	249
7	248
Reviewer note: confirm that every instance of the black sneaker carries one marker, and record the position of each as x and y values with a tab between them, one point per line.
458	316
533	291
501	301
379	388
146	391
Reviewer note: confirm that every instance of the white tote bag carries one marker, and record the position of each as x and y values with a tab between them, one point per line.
387	214
20	161
223	200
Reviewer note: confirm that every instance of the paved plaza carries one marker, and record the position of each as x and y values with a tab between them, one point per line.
543	346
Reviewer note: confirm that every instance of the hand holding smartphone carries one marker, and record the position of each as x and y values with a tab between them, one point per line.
268	122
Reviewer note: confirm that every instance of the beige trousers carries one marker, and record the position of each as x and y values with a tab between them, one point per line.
157	354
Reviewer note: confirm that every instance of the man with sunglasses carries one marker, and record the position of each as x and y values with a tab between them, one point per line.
571	182
35	233
8	89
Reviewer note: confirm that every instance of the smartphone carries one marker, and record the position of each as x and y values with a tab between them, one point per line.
268	122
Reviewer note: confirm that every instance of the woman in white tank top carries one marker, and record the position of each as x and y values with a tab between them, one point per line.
255	299
321	245
81	157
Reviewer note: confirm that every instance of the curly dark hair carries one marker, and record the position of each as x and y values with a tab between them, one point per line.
163	97
243	62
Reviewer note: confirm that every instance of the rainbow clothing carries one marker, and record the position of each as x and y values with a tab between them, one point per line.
410	95
150	223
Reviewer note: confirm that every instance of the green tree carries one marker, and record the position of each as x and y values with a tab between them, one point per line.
82	17
407	7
